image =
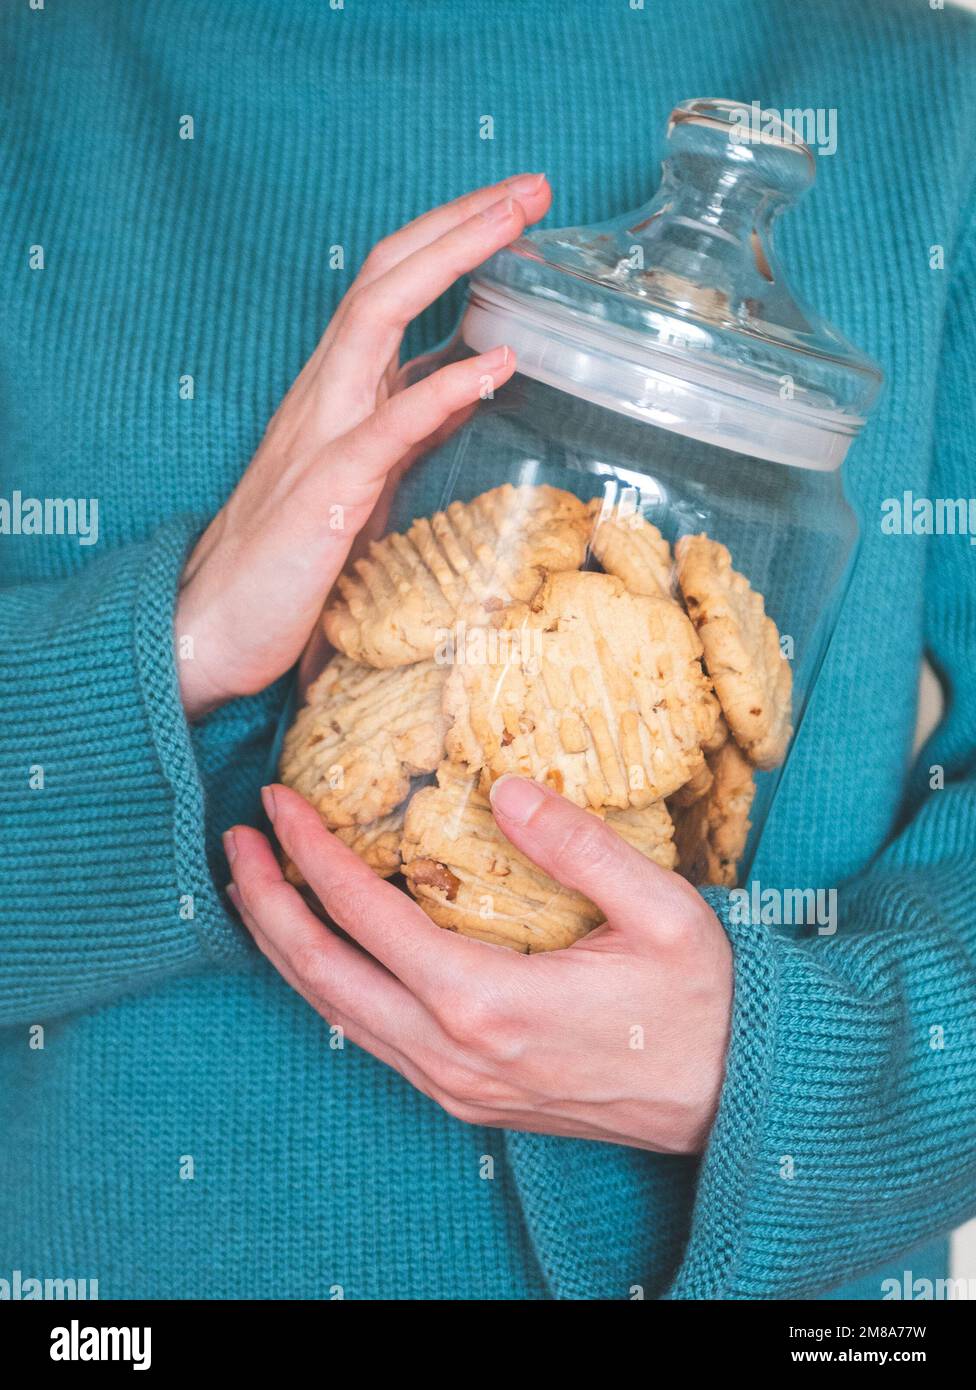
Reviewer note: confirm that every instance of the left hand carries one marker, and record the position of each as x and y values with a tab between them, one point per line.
620	1037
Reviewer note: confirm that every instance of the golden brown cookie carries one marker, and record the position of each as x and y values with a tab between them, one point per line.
470	879
597	692
720	734
362	735
630	547
396	602
699	783
751	677
377	844
649	830
711	833
695	788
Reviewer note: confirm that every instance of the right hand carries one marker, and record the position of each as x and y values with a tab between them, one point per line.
255	584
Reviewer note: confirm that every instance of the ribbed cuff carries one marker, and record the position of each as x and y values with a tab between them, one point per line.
847	1122
708	1268
218	933
105	876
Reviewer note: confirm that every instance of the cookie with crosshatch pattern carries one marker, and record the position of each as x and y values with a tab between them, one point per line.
711	833
752	678
630	547
600	694
362	735
460	563
470	879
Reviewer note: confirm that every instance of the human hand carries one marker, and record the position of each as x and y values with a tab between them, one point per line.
254	586
621	1037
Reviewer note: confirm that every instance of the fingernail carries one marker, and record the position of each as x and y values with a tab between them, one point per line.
230	845
527	183
268	802
233	892
516	798
497	357
499	211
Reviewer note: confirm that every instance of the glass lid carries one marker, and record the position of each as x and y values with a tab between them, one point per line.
679	313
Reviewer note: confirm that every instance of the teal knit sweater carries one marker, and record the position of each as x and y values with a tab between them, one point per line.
186	1130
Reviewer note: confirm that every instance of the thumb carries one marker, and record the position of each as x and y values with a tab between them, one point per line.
581	851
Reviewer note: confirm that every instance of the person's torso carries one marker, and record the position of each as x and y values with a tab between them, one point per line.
181	283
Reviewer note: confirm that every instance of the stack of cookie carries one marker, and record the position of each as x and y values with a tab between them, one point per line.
475	644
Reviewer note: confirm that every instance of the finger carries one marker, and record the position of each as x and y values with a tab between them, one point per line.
423	1077
350	989
581	851
338	980
531	190
352	1029
363	457
373	318
377	522
437	966
327	971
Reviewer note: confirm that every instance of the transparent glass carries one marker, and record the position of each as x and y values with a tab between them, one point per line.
790	531
618	575
680	312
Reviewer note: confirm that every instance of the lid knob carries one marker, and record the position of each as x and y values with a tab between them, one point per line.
728	172
726	148
684	298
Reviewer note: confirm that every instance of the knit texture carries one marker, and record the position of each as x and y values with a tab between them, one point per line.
188	1129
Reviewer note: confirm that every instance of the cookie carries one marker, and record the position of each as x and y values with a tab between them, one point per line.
649	830
597	692
630	547
362	735
695	788
751	677
720	734
377	843
711	834
699	783
395	603
470	879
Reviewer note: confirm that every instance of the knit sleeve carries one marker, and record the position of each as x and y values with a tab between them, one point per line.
846	1132
103	858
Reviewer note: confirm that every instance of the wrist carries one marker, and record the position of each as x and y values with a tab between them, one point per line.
200	693
709	972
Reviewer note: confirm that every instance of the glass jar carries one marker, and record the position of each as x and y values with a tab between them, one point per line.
620	573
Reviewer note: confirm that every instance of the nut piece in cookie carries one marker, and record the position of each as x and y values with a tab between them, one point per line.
752	678
362	735
470	879
597	692
475	556
711	833
629	547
